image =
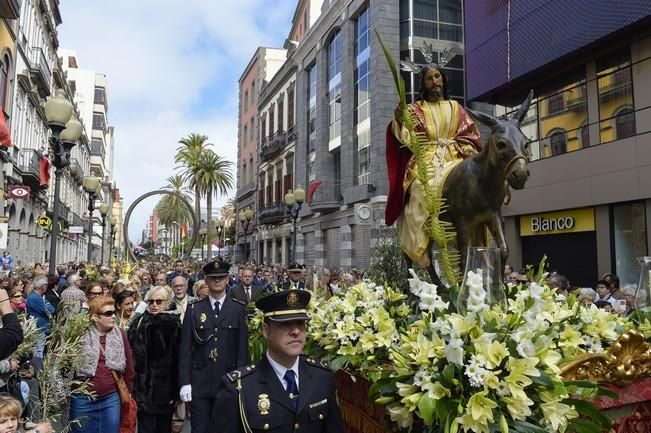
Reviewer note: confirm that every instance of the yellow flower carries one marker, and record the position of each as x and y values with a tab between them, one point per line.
493	352
481	407
436	391
520	371
518	407
469	424
400	415
557	414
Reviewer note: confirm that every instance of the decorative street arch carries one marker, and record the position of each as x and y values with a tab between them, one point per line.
125	230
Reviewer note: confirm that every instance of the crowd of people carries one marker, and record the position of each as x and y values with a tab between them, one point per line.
606	293
140	335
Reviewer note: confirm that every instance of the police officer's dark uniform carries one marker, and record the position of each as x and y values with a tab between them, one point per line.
289	285
253	398
213	342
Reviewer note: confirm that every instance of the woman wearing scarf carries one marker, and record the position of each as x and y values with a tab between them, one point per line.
106	348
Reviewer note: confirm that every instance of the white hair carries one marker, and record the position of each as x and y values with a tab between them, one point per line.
587	291
629	289
156	289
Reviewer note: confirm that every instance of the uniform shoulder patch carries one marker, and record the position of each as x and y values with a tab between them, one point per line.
317	363
234	375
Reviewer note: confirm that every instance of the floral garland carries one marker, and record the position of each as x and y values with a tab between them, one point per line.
492	369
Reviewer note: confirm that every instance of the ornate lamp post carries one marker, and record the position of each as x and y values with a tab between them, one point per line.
114	222
91	186
246	216
294	201
66	130
103	211
220	232
165	241
203	232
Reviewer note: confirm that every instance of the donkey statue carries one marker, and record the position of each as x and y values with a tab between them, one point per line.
475	189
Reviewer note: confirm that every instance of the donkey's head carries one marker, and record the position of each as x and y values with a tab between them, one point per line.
508	147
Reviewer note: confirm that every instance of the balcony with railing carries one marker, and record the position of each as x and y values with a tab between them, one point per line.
273	145
245	190
27	163
76	171
10	9
272	213
40	71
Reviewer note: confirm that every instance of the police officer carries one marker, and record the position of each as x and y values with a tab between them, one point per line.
283	392
295	272
214	341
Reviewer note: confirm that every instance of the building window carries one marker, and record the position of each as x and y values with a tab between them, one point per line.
245	135
336	165
279	182
252	93
100	95
251	133
288	181
629	235
243	176
251	170
272	115
450	11
335	51
290	107
261	190
555	104
281	113
311	103
558	143
364	158
99	122
246	101
625	123
362	66
425	9
5	67
615	87
263	128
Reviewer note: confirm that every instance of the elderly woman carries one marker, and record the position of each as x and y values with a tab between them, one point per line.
106	348
587	296
154	337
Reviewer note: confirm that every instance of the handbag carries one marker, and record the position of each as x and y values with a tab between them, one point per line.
129	407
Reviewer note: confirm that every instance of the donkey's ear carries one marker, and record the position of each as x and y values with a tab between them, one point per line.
484	118
524	107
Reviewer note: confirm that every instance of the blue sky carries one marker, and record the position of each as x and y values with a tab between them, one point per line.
172	69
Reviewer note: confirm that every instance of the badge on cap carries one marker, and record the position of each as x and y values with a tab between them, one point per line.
264	404
292	299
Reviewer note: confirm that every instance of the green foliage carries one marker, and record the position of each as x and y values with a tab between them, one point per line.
388	265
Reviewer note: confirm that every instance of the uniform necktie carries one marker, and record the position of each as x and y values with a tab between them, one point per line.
292	388
216	308
248	293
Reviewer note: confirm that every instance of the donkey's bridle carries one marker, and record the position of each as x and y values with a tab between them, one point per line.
513	161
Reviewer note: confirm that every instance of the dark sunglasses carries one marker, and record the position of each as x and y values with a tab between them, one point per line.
109	313
156	301
95	293
17	296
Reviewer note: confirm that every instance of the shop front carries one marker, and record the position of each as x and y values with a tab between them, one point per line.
567	238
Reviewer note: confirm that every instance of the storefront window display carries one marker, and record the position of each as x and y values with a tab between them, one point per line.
629	240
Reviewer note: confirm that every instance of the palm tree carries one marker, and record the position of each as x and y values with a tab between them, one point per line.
210	174
188	155
171	209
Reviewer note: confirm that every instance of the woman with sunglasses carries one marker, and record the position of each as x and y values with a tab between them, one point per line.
155	337
106	348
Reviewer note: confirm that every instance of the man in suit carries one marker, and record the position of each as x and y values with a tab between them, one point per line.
295	272
214	340
246	291
283	392
181	297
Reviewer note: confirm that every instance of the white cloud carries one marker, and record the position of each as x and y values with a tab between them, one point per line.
172	69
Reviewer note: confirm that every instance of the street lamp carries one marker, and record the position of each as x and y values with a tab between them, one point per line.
294	202
114	222
203	232
66	130
103	211
91	186
165	241
246	216
220	231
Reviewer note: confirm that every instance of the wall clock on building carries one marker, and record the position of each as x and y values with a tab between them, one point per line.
364	212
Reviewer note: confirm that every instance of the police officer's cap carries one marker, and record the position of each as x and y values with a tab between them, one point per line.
285	306
295	267
216	268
